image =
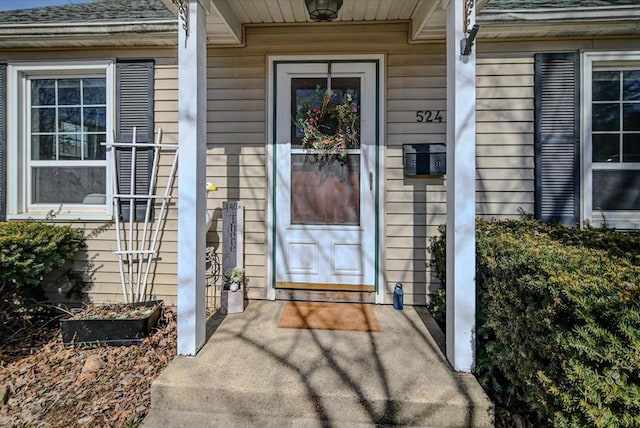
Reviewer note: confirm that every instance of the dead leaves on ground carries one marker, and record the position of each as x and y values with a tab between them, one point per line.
58	386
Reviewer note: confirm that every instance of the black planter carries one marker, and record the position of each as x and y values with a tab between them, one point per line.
114	332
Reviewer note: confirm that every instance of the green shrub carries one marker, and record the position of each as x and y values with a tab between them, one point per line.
558	332
437	305
28	252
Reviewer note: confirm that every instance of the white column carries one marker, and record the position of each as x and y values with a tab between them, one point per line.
192	142
461	169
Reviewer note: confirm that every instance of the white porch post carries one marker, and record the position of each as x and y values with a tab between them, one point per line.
192	134
461	169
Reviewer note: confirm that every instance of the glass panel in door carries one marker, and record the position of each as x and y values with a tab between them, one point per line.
325	184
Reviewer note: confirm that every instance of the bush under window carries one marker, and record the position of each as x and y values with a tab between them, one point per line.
28	252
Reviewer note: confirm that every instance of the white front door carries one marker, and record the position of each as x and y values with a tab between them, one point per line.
324	209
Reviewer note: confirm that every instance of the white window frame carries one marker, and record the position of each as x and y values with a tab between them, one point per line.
18	126
591	61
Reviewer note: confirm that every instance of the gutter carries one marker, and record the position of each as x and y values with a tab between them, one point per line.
12	35
578	14
88	24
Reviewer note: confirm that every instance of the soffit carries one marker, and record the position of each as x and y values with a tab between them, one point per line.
226	17
497	18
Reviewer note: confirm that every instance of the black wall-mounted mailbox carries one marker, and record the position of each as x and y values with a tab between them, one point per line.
424	160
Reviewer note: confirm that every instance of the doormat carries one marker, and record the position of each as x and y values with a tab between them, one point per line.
329	316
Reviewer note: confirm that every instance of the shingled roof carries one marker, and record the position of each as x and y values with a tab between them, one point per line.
95	23
97	11
559	18
508	5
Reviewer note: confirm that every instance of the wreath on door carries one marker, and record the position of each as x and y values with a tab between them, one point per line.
329	129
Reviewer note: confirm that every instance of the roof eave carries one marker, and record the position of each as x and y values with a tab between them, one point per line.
599	14
158	33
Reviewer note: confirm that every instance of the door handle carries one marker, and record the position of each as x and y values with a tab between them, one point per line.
370	181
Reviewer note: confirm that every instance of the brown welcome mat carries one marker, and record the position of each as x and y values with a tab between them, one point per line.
329	316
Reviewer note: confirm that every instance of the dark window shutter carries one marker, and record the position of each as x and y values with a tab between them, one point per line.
134	108
144	160
3	142
557	137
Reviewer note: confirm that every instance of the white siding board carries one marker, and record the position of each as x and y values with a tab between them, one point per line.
431	54
236	83
486	150
237	72
505	128
416	94
504	174
504	92
420	71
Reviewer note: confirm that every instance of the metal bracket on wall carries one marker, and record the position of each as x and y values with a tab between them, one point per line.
467	43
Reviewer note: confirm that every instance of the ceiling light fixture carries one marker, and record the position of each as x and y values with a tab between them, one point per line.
323	10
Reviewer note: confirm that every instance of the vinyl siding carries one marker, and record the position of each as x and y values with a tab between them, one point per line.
505	120
97	264
416	77
504	141
413	208
236	154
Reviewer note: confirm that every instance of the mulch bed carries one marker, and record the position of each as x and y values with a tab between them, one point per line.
56	386
123	311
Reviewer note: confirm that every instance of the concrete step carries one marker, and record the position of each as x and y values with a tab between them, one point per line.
173	418
251	373
219	404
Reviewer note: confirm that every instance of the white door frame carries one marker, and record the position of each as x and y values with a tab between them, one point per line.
379	60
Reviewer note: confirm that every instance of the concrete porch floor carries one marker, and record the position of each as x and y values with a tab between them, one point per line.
251	373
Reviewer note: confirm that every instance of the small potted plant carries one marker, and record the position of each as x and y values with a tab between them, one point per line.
233	278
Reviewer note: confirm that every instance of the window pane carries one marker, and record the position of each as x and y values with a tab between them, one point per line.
94	91
631	148
616	190
631	85
309	94
631	121
341	86
606	85
69	146
327	192
43	92
95	119
304	91
43	119
69	119
606	148
66	185
93	149
69	91
43	147
606	117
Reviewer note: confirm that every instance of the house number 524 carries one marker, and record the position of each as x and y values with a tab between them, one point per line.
429	116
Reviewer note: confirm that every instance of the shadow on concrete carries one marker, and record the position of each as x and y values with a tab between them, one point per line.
251	372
